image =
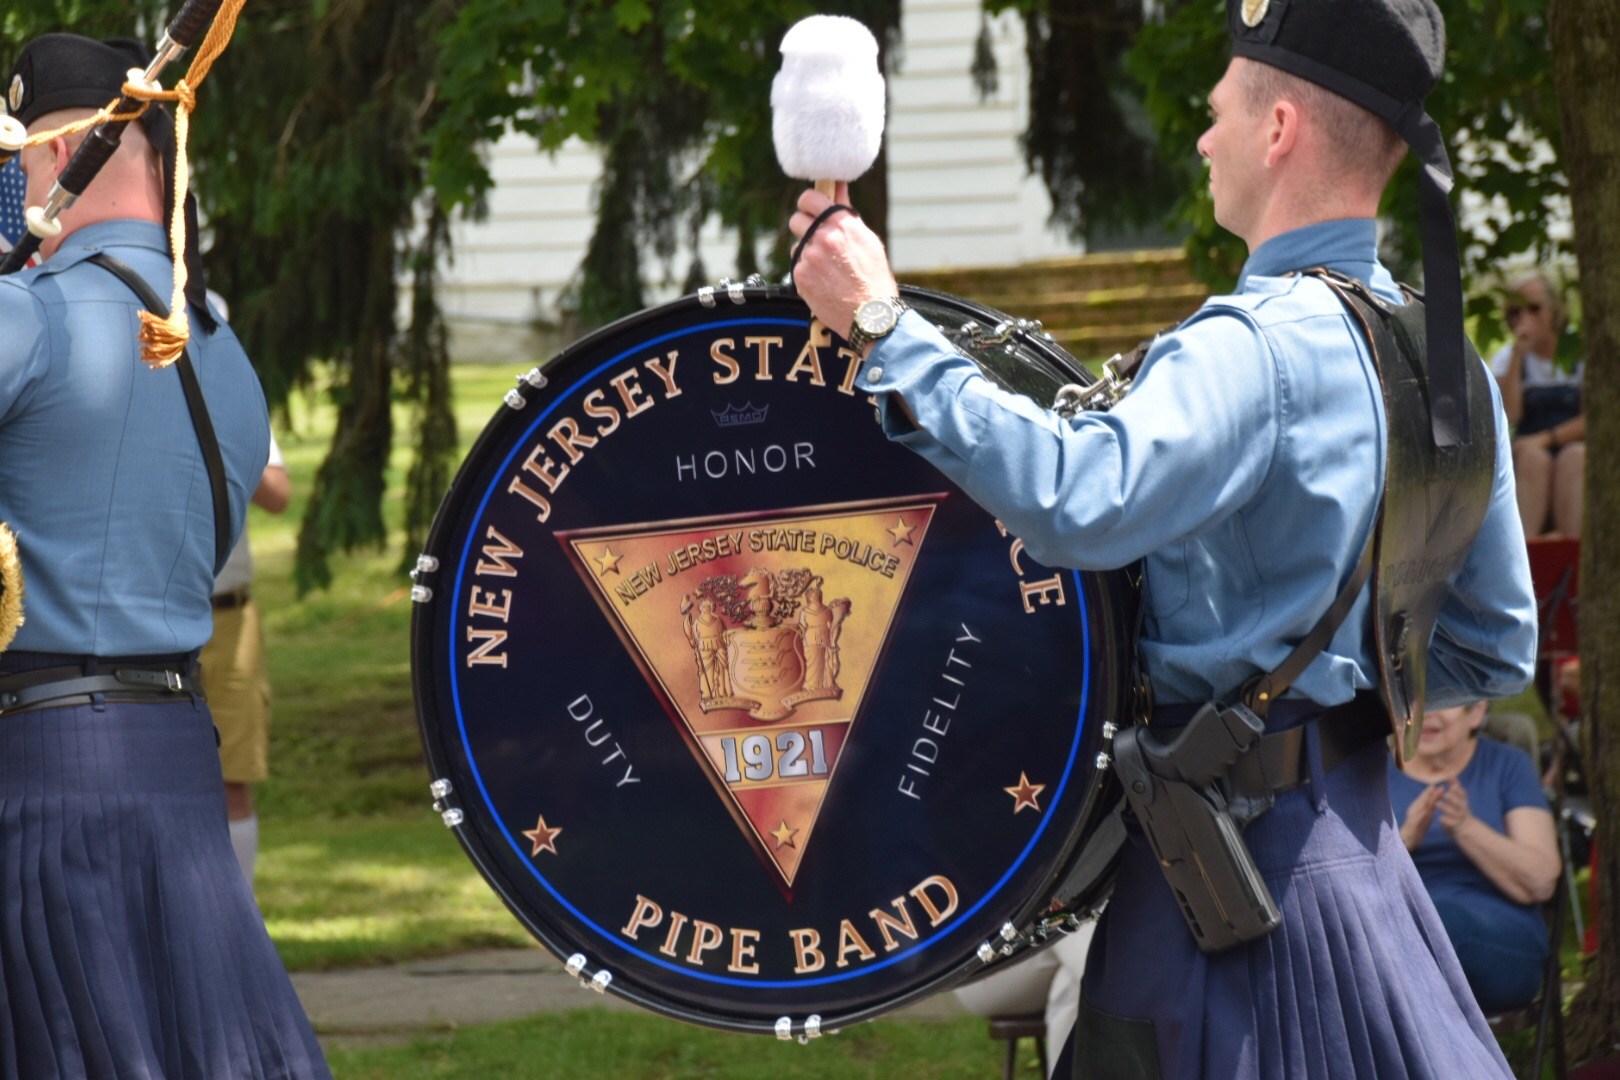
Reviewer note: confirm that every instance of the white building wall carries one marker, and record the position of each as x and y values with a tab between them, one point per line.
958	191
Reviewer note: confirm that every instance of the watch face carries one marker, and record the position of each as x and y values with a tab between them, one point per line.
876	317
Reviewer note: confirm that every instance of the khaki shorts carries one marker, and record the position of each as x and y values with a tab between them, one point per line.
238	689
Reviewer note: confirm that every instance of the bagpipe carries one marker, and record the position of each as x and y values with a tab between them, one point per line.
747	713
205	23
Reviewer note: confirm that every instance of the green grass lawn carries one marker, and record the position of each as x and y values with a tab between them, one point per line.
615	1046
356	868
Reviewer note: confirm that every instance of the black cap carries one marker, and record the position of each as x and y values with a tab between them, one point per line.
1386	56
66	71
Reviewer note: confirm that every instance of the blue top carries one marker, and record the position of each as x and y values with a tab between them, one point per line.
1498	779
101	475
1245	466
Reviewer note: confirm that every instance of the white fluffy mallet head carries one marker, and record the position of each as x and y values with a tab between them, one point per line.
828	100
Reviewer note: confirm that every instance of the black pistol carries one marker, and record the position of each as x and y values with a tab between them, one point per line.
1174	790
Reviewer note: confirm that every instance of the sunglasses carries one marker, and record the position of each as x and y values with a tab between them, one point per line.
1513	311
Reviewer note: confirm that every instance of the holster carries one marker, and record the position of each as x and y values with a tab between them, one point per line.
1175	789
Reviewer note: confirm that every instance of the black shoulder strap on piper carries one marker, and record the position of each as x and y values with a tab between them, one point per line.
1435	493
1262	691
195	403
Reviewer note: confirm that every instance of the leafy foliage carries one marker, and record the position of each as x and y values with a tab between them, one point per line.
672	91
1088	135
1496	105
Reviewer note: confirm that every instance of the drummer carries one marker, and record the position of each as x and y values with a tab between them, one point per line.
129	941
1246	468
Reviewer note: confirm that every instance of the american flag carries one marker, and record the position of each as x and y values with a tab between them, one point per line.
13	197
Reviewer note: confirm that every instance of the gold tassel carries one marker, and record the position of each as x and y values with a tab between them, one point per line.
11	588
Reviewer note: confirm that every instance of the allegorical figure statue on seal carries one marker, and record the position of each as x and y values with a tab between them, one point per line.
819	627
705	632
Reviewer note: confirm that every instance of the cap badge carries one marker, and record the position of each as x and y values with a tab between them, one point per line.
1254	12
15	95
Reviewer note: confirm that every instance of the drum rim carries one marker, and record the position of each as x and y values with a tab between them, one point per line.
452	513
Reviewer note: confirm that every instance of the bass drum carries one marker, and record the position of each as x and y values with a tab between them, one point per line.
746	712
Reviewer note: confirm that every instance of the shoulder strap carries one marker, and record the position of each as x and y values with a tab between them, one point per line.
1260	692
196	404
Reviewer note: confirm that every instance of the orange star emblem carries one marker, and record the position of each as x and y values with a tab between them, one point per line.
607	562
901	531
1025	795
545	839
784	835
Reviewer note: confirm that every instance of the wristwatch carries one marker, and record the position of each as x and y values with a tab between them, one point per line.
875	319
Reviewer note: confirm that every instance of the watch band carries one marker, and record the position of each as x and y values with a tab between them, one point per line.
859	338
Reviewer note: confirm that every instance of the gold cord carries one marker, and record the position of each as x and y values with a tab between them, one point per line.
164	340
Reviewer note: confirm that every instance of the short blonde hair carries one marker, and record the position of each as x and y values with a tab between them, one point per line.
1361	143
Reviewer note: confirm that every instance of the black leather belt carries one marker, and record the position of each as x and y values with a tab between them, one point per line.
1278	762
233	599
37	689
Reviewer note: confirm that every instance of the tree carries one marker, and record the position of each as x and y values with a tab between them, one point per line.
1496	105
1586	62
674	93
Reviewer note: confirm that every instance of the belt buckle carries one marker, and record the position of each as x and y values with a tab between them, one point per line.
174	682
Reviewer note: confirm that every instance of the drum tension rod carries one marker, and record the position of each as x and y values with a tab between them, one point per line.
598	982
810	1030
441	790
425	565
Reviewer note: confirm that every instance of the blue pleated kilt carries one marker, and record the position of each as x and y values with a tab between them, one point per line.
130	945
1358	981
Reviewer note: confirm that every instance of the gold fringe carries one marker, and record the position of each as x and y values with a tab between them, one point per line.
11	588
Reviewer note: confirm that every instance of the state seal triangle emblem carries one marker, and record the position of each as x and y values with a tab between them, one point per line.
760	635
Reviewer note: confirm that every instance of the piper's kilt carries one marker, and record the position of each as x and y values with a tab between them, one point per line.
130	945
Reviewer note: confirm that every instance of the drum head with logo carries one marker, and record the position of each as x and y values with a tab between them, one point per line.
741	707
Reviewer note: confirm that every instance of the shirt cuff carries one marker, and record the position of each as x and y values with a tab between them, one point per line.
916	364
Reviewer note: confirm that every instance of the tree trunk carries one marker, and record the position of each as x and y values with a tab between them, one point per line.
1586	67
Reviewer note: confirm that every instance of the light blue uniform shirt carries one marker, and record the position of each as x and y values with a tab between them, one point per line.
1245	467
101	475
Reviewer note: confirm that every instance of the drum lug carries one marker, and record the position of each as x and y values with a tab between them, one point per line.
705	296
598	982
986	952
784	1028
1109	730
1103	760
534	378
425	565
812	1028
515	400
441	790
734	291
757	281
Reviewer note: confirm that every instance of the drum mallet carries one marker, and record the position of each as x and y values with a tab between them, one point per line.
828	102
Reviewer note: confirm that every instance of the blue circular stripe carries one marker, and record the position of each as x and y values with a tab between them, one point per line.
461	721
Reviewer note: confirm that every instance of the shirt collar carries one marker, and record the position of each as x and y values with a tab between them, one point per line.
121	233
1348	245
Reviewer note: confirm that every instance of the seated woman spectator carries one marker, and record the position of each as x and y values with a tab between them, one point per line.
1478	827
1541	392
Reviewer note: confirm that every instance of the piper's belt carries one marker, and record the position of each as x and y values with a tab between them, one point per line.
54	687
1277	762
